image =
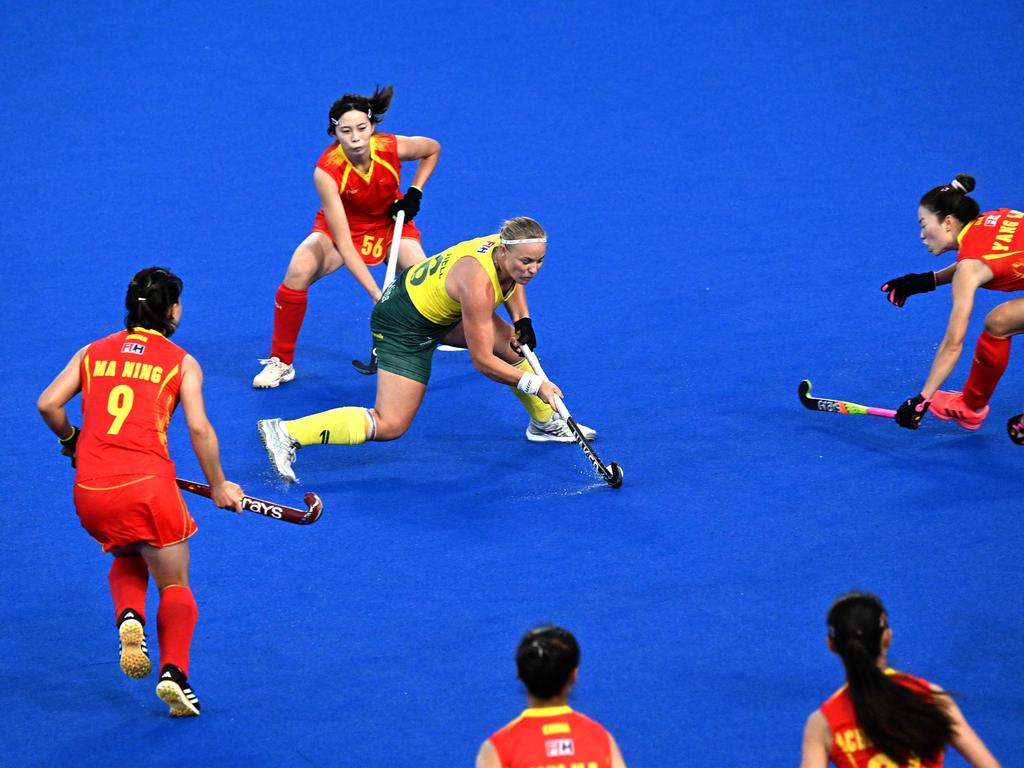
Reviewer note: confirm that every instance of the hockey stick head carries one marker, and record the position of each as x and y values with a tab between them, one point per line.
804	393
315	508
614	477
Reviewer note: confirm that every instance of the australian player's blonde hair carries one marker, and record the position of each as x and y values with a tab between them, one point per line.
521	228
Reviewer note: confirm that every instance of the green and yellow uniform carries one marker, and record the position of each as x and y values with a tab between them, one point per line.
416	312
410	320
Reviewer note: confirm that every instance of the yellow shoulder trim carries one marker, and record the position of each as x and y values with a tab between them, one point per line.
387	165
546	711
960	237
344	179
173	372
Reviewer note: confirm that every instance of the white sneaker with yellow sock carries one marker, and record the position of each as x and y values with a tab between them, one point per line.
281	447
556	430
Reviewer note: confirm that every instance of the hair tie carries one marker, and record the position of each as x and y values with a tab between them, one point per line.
958	187
525	240
142	298
540	648
369	112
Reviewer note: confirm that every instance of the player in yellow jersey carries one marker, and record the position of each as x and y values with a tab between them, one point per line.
450	298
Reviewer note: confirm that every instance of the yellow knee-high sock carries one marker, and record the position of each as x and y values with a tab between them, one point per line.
534	406
338	426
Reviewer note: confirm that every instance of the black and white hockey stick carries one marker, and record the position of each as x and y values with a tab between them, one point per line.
612	473
828	405
370	368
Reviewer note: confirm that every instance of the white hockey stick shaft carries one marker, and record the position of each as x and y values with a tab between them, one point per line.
396	242
535	364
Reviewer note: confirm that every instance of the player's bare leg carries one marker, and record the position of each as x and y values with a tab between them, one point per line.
316	257
409	252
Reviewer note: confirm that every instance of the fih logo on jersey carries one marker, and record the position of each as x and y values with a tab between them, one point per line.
559	747
133	348
993	220
485	247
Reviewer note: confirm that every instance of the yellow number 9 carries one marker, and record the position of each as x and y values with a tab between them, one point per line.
119	405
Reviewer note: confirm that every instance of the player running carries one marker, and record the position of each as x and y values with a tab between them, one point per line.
125	492
449	299
357	180
990	255
549	732
882	717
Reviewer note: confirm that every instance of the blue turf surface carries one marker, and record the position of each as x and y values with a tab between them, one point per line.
725	190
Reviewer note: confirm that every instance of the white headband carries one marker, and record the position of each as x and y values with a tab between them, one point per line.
525	240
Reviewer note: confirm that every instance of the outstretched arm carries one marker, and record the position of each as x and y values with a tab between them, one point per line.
468	284
225	494
969	275
334	211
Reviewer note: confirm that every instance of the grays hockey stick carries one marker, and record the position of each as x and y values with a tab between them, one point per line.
612	473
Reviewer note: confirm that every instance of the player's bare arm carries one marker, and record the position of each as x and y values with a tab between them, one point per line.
65	386
969	275
225	494
816	742
334	211
426	150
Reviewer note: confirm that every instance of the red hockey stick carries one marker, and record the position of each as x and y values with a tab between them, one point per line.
308	516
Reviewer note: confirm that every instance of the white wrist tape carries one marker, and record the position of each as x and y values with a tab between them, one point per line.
529	383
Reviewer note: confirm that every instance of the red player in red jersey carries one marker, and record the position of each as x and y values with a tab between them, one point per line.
882	718
549	734
125	491
991	255
357	179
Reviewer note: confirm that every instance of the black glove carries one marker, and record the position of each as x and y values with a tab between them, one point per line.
69	444
909	414
410	204
524	332
900	288
1015	428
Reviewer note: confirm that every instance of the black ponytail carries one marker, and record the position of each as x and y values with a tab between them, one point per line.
151	293
373	106
953	200
545	660
900	722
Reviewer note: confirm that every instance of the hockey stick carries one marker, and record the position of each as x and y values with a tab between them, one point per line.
370	368
611	474
838	406
308	516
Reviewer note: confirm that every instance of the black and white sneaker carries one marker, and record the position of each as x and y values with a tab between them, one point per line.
132	648
174	690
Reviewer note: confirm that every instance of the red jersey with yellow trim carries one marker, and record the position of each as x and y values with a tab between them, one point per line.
366	196
996	238
553	737
850	747
130	383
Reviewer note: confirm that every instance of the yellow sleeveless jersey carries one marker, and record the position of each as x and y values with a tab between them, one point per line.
425	282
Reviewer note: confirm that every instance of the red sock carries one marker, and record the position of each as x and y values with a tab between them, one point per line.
128	579
175	622
991	356
289	312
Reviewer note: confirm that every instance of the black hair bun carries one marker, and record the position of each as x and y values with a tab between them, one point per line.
965	181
